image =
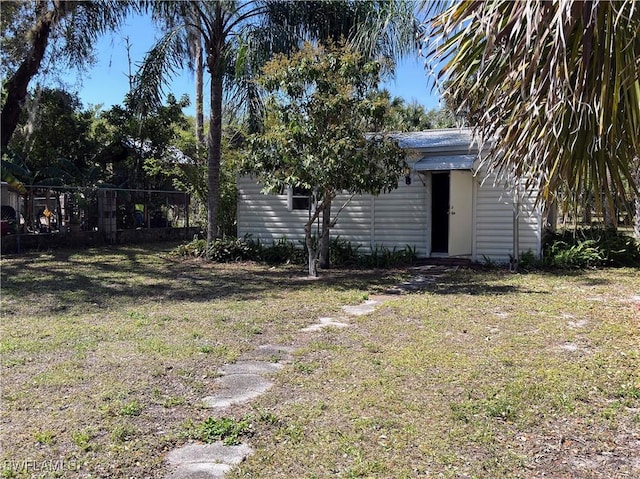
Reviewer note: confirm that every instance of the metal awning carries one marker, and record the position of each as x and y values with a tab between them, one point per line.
445	163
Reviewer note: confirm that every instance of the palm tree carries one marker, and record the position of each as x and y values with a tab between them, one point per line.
553	85
240	35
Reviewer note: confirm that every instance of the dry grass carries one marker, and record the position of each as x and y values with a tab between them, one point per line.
486	375
106	354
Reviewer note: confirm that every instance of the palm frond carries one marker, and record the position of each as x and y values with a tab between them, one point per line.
164	60
387	29
555	85
11	174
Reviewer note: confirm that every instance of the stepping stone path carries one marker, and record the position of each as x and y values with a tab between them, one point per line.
250	377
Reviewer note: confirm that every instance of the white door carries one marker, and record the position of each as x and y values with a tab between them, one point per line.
460	213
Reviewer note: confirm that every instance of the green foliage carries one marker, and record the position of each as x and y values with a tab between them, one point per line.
321	105
223	250
382	257
226	250
281	251
591	248
228	430
53	141
133	408
142	147
48	33
400	116
46	437
317	115
82	439
343	253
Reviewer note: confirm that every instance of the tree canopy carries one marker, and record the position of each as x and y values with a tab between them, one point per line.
317	116
239	36
31	32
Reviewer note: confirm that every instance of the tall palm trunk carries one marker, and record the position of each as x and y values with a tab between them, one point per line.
199	93
214	156
636	223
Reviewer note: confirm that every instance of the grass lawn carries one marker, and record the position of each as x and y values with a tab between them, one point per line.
107	353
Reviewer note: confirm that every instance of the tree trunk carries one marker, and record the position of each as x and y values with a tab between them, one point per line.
199	94
610	213
636	222
16	86
215	147
550	215
313	263
325	241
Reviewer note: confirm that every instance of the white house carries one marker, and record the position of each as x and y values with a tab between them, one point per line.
446	206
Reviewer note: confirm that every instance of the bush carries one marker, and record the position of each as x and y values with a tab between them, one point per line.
341	253
196	248
232	249
382	257
224	250
283	251
591	248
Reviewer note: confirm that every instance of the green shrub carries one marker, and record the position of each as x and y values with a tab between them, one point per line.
195	248
228	250
223	250
382	257
590	248
283	251
341	252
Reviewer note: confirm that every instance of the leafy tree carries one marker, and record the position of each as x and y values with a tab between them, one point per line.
317	113
30	29
554	87
239	36
132	141
54	129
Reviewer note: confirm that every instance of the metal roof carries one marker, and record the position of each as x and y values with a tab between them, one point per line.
444	163
457	139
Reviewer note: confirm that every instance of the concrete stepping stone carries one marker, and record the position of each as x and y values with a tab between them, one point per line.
273	353
205	461
369	306
324	323
241	382
250	367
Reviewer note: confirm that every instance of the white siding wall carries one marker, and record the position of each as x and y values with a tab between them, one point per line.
401	217
494	222
392	220
395	220
266	217
354	221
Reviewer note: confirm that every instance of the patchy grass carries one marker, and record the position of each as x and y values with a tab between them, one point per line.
484	375
107	353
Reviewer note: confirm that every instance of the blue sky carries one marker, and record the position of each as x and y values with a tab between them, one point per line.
106	82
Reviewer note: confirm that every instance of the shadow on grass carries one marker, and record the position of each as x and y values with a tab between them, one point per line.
131	273
135	273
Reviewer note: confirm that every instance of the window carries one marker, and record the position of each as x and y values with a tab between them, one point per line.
298	198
